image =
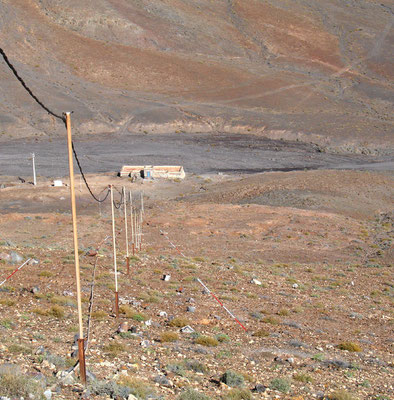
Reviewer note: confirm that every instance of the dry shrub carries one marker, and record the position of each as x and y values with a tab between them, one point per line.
207	341
261	333
169	337
350	346
179	322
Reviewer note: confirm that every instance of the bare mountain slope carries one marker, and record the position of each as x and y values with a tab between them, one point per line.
317	71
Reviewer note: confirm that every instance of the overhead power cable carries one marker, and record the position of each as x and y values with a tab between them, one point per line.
61	117
84	179
36	99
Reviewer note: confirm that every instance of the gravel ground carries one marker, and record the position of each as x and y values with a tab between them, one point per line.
198	153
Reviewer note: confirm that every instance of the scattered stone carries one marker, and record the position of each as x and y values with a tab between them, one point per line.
68	293
187	329
48	394
5	257
191	300
145	343
132	397
256	282
191	309
297	343
163	314
91	253
166	278
65	377
123	327
338	363
90	376
33	261
162	380
355	315
259	388
40	350
295	286
35	289
15	258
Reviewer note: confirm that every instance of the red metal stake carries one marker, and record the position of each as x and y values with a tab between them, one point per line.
82	364
117	305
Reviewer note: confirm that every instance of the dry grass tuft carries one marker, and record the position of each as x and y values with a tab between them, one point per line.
169	337
350	346
207	341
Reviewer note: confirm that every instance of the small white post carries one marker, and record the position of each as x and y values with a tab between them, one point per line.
34	169
125	221
132	221
142	202
114	239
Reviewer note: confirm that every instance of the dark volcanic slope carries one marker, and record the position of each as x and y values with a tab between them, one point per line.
314	70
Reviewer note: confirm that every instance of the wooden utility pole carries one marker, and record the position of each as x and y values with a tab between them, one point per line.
125	229
34	169
114	248
81	340
132	223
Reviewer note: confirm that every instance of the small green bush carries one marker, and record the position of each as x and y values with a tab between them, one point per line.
138	387
115	348
341	395
16	386
45	274
222	338
191	394
280	384
19	349
196	366
233	379
238	394
176	368
63	301
301	377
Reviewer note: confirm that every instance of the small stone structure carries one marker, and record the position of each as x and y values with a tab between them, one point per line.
153	172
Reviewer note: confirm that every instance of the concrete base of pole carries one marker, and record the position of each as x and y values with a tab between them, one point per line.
82	364
128	265
117	304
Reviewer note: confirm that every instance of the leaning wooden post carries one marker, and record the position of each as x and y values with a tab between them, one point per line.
114	248
132	222
125	229
81	340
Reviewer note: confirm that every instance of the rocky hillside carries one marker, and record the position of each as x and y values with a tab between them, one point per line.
310	70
